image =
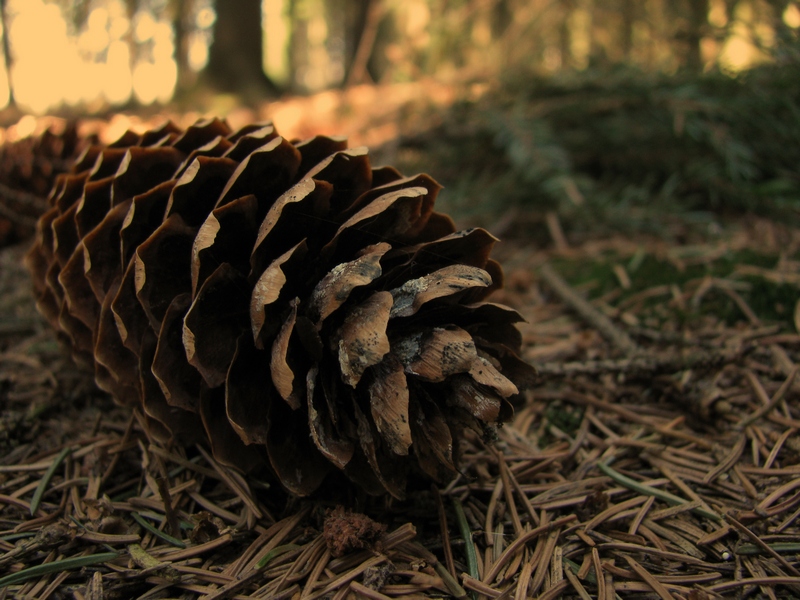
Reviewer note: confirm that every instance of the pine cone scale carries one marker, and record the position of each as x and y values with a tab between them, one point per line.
143	217
110	353
361	342
197	189
336	448
264	315
447	281
101	251
79	297
129	315
389	405
295	216
179	381
294	457
65	235
217	316
267	171
160	271
283	374
335	287
226	236
247	402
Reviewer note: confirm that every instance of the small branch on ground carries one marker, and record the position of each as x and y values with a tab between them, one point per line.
603	324
644	364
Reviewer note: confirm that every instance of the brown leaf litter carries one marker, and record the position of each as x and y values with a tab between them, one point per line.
649	463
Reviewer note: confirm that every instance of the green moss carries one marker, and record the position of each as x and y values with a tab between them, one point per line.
634	147
771	302
566	417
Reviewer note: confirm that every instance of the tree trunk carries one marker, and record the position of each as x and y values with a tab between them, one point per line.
783	32
358	68
186	79
235	59
502	16
356	14
7	53
628	20
565	34
698	16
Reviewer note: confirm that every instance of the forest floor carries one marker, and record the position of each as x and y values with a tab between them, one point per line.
658	456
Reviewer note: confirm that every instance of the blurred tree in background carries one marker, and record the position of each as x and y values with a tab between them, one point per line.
234	61
113	52
591	108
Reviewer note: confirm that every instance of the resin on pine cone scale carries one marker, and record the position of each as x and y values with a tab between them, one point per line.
283	301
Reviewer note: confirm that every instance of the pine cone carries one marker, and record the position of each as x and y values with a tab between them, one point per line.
28	170
286	302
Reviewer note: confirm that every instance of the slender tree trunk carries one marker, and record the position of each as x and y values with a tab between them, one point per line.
783	32
291	84
355	21
180	9
131	7
235	60
565	35
697	28
9	61
628	20
502	16
358	72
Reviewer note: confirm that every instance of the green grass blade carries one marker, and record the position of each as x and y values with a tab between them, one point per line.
455	588
469	546
157	532
48	475
57	566
780	547
651	491
275	552
18	536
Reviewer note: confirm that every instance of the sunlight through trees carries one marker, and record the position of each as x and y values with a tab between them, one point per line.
100	53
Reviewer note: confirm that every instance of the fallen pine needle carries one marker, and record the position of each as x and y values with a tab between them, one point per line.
157	532
651	491
56	566
466	534
48	475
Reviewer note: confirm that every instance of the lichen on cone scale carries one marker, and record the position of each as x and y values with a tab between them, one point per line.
284	302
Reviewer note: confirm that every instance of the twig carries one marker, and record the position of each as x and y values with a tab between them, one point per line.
358	68
647	364
556	232
602	323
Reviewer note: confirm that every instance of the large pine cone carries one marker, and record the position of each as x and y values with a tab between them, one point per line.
285	301
28	169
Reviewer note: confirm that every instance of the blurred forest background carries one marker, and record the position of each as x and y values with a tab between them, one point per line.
600	111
